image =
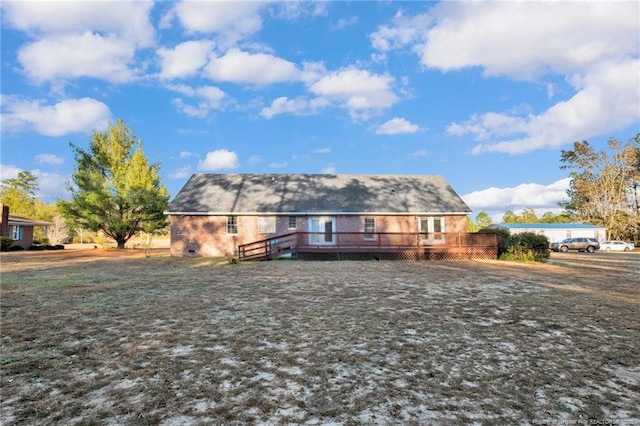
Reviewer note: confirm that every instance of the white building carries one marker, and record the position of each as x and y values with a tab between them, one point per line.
556	232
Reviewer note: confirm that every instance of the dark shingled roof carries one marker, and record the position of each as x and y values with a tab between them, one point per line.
315	193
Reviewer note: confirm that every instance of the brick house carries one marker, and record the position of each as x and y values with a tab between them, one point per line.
224	214
18	228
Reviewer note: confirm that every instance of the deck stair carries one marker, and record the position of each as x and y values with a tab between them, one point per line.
269	248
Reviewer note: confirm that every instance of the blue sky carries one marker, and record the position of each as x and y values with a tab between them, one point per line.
486	94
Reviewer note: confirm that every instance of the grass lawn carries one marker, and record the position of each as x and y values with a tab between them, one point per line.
112	337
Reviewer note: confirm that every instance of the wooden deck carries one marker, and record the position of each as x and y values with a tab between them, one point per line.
373	246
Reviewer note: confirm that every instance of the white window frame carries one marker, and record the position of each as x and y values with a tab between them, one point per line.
319	236
369	231
431	235
266	224
16	232
292	222
232	225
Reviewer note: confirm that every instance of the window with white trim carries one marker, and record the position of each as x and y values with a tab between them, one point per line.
438	227
16	232
431	228
266	224
369	228
423	226
293	222
232	225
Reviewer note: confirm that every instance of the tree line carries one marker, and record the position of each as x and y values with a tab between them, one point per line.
115	190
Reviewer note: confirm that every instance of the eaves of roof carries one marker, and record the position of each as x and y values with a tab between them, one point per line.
24	221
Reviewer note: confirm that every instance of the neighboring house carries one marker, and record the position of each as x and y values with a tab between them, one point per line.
557	232
18	228
217	214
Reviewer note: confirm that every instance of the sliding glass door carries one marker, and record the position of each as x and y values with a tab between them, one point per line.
322	230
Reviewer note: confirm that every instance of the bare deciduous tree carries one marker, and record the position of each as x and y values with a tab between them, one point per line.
58	232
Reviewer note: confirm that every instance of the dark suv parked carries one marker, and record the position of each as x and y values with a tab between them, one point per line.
580	244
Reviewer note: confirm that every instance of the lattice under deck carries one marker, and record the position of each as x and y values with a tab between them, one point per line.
399	255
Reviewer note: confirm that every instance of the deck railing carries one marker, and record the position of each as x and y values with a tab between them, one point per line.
269	248
369	242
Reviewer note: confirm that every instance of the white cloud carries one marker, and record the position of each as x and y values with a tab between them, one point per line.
560	37
594	45
361	92
9	171
345	23
74	39
551	90
183	89
231	21
51	186
254	160
329	170
525	195
293	10
185	59
207	98
181	173
397	126
219	160
404	31
607	99
68	116
189	110
241	67
49	159
187	154
489	125
298	106
322	151
128	19
78	55
312	72
278	165
212	96
419	153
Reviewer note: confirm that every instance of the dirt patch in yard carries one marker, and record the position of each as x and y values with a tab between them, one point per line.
113	337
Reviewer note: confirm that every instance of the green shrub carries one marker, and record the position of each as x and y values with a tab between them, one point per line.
35	247
527	247
16	248
5	243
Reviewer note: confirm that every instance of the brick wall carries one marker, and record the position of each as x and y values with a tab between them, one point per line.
207	235
4	226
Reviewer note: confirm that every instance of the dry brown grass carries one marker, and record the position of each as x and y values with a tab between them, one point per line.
111	337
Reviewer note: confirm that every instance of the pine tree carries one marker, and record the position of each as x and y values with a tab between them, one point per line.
114	188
